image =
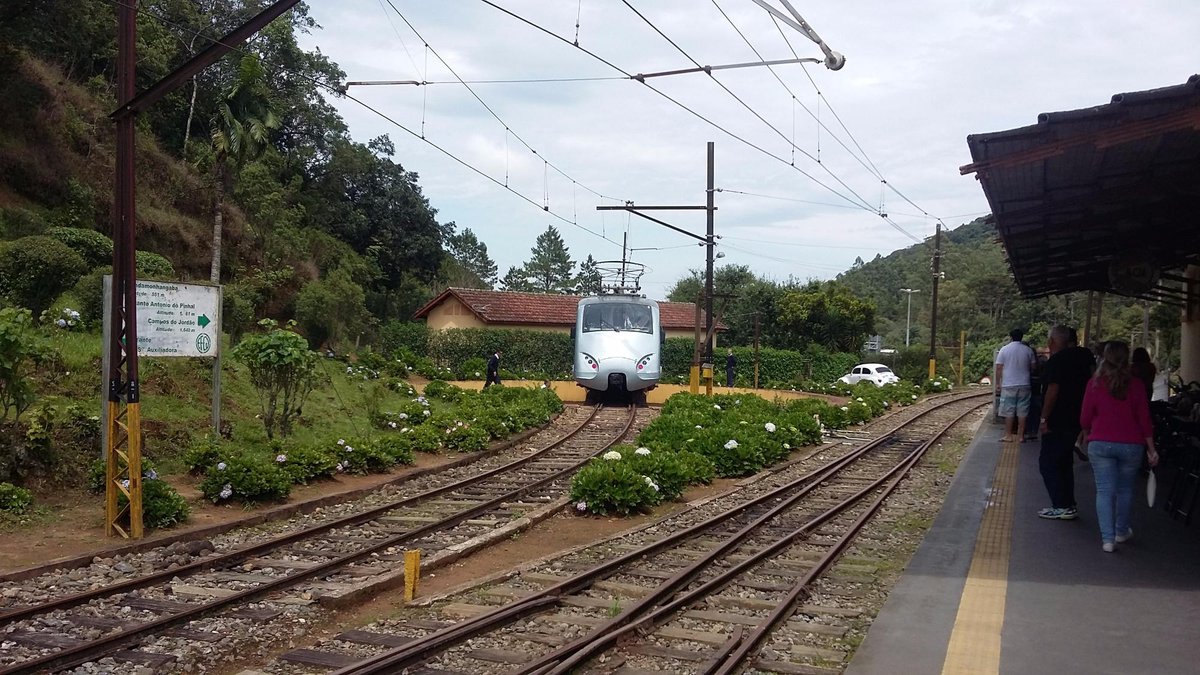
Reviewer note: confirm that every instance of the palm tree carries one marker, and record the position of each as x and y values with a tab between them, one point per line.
241	130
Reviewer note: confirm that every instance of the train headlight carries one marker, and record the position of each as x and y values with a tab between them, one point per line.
644	361
590	360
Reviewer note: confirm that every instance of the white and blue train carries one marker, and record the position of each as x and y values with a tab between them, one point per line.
618	343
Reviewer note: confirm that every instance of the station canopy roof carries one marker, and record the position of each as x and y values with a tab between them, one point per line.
1103	198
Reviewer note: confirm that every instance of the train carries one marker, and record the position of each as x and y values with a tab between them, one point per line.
618	344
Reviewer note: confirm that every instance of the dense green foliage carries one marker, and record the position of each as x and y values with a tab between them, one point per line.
14	499
283	370
20	348
34	271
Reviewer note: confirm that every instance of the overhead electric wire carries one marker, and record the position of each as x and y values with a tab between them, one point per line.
487	107
678	103
337	92
748	107
873	168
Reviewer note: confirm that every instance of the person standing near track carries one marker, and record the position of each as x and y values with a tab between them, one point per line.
730	365
1014	364
1117	428
1065	375
493	370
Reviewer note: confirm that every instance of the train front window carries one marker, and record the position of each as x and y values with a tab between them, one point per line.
618	317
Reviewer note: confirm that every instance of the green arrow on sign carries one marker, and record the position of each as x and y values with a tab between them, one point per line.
203	320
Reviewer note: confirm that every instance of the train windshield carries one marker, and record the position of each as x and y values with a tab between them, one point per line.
626	316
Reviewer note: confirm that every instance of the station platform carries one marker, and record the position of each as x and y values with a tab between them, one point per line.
995	589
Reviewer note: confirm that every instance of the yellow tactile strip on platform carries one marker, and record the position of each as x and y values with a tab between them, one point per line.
975	641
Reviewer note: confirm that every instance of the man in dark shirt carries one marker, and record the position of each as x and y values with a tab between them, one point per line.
493	370
1065	375
730	365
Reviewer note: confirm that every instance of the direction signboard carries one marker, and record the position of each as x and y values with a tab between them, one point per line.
177	319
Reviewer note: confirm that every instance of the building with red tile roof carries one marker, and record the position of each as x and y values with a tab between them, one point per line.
475	308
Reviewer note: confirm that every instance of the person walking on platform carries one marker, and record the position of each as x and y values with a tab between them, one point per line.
730	366
1116	423
1014	364
1141	367
1065	376
493	370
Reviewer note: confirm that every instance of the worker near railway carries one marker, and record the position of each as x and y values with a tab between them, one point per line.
730	366
493	369
1014	365
1065	376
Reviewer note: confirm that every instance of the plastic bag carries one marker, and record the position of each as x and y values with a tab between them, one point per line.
1151	489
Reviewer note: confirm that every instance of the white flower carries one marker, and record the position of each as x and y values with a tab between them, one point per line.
74	314
392	425
738	402
403	416
61	323
859	399
221	466
226	492
581	506
699	427
716	407
743	422
125	483
845	409
787	446
349	369
426	412
281	458
349	449
914	397
341	441
151	474
731	444
612	455
405	430
769	427
71	323
341	467
477	373
642	451
651	483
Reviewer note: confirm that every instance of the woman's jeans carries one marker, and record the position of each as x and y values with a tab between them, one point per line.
1115	466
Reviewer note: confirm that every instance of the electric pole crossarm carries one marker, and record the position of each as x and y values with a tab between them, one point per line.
653	220
204	59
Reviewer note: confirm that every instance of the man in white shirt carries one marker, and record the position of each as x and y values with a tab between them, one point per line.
1014	364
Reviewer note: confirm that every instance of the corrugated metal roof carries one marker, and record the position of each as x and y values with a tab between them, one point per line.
512	308
1083	189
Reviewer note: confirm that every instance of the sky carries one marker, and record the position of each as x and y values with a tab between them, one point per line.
806	158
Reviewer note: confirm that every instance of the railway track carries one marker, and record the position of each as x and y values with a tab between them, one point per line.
741	581
325	562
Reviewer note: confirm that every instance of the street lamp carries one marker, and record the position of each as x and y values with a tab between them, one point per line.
908	322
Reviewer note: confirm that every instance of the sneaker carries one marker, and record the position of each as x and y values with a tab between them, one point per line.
1122	538
1058	514
1109	547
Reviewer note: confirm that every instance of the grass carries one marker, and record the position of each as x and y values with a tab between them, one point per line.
177	399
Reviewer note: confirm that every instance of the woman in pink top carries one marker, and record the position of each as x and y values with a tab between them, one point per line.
1116	425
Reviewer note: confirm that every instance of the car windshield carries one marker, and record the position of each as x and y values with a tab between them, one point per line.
617	317
883	369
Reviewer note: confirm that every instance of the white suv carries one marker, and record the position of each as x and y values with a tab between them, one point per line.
872	372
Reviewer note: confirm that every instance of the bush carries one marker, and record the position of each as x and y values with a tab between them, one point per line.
445	391
398	337
361	458
34	271
17	222
608	486
304	464
399	448
246	479
20	349
95	248
283	370
97	474
89	294
154	266
205	452
162	506
14	499
525	351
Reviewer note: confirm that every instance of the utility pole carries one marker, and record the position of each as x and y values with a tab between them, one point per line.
908	321
756	350
962	354
123	448
701	364
937	274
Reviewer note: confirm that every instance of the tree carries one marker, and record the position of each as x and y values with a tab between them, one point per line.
550	268
588	281
241	129
827	314
34	271
468	265
515	280
331	309
283	370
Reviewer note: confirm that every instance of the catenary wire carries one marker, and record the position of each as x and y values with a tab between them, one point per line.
337	92
749	107
678	103
488	107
